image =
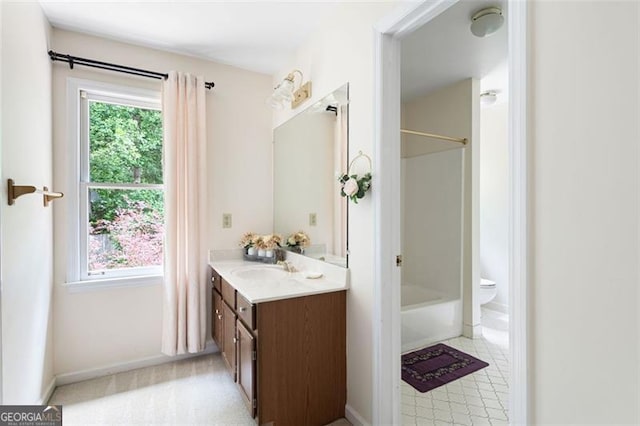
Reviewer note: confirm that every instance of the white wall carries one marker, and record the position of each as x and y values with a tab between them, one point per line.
27	257
494	202
342	51
584	213
99	328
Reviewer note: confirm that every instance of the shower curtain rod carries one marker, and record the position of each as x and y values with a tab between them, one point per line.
75	60
463	141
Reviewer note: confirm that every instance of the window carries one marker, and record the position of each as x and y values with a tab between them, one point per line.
120	224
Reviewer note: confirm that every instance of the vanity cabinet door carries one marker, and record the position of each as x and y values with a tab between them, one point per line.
229	338
246	367
217	319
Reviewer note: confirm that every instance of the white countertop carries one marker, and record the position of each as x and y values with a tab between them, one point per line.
292	284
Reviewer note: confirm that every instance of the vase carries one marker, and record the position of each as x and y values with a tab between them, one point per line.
261	252
268	253
297	249
251	251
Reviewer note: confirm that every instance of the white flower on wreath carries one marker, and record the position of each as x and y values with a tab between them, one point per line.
350	187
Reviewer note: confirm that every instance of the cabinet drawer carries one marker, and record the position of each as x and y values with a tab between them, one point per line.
246	311
228	293
215	280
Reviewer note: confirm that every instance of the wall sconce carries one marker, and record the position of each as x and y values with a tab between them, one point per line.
286	92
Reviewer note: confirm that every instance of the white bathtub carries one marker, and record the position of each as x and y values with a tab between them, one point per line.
428	317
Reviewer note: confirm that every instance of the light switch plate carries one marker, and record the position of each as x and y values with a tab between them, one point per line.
226	220
313	219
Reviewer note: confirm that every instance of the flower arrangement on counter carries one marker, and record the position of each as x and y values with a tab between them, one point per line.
298	241
262	245
271	241
354	187
248	240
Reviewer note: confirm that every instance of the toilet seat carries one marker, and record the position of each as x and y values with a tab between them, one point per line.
485	283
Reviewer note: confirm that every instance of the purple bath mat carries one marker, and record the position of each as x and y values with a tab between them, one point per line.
437	365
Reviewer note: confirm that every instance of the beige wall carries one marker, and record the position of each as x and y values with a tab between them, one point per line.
27	257
98	328
584	212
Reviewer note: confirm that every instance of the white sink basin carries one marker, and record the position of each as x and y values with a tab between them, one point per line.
260	272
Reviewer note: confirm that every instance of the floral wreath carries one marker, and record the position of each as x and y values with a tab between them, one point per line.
355	187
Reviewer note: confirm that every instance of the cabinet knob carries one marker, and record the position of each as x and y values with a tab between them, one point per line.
242	309
213	279
219	317
217	311
235	340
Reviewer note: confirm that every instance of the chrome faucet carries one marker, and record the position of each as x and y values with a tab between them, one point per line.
287	266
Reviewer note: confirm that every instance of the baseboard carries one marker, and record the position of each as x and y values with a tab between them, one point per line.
423	343
48	392
92	373
472	331
499	307
354	417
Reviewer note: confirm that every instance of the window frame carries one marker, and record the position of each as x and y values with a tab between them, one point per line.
80	94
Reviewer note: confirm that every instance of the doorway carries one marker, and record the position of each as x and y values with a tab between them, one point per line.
387	338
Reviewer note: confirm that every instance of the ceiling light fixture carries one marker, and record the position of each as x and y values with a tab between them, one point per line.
286	93
488	98
486	21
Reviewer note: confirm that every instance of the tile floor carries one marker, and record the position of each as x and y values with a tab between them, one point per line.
480	398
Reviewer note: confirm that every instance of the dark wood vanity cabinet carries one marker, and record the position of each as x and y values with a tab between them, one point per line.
287	356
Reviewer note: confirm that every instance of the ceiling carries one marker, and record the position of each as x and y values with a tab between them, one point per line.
444	51
258	35
262	35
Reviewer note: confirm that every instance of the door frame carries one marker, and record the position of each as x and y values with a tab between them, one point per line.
386	310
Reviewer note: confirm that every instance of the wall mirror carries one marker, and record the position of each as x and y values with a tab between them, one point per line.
310	151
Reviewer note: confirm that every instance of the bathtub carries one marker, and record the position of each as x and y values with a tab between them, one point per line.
428	316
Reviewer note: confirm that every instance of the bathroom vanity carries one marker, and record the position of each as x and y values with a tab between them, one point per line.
283	338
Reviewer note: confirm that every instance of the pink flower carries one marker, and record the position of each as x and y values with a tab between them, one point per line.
350	187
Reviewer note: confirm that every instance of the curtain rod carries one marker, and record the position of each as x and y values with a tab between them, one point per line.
75	60
433	135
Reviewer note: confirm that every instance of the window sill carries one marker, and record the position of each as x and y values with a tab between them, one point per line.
108	283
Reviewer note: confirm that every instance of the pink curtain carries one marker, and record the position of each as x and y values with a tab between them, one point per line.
184	307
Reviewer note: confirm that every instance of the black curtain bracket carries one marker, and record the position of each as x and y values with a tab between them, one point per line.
76	60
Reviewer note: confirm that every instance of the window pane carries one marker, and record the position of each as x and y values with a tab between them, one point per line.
125	144
126	228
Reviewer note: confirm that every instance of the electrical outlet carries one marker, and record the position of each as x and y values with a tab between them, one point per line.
313	219
226	220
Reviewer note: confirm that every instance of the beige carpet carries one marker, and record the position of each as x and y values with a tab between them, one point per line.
196	391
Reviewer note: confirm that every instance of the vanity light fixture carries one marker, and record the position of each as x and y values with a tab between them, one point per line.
486	21
286	93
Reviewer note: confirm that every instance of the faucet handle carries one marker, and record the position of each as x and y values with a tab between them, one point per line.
286	265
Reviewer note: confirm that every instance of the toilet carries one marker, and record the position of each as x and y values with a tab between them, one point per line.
488	290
